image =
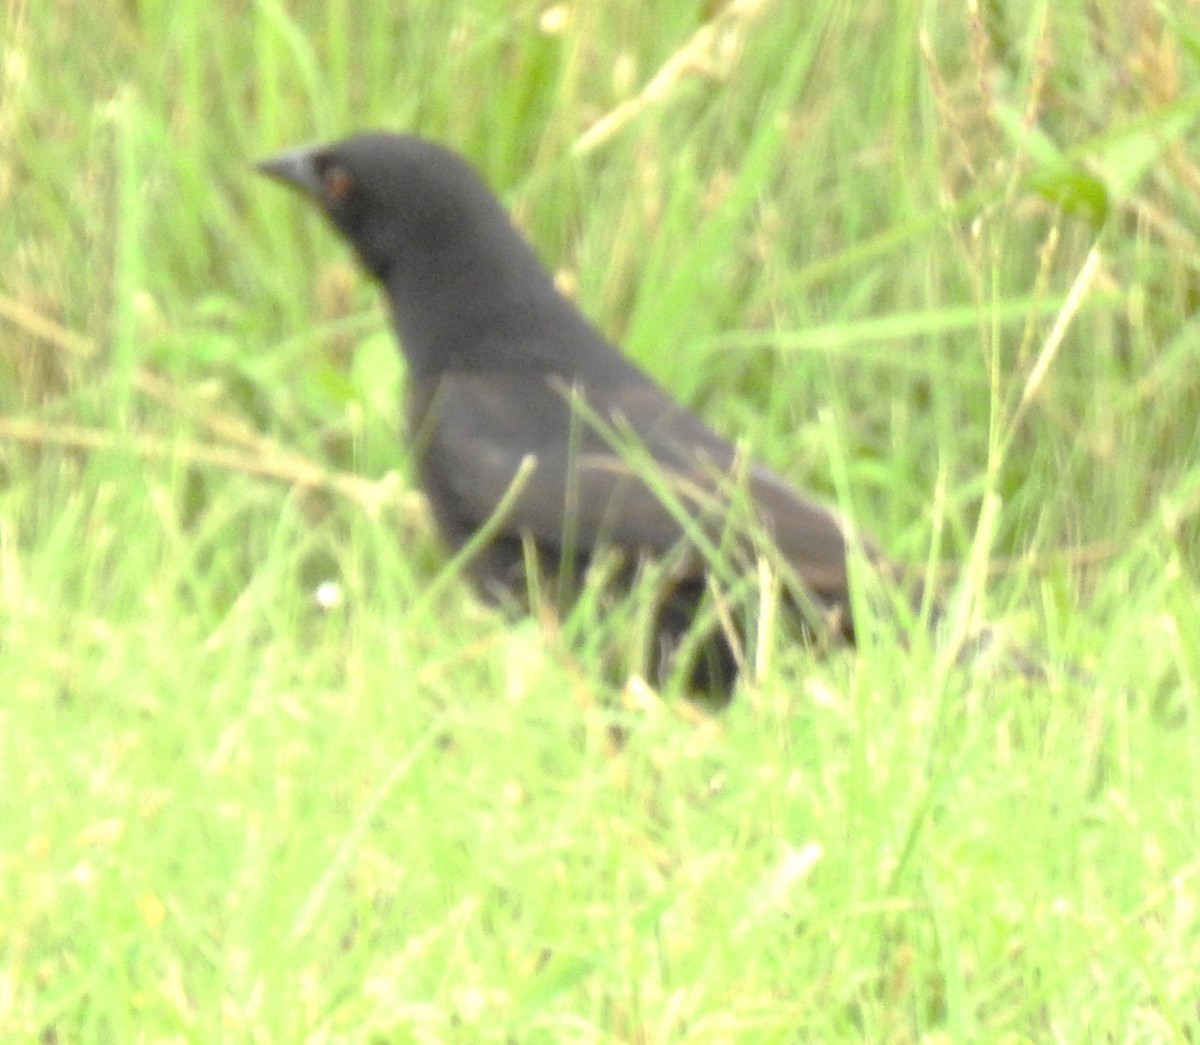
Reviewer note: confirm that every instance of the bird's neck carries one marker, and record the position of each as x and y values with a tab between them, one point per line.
498	314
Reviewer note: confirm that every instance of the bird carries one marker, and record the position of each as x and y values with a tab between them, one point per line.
546	450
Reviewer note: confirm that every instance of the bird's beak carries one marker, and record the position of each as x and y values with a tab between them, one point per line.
294	167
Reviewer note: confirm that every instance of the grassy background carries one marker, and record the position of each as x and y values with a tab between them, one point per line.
936	261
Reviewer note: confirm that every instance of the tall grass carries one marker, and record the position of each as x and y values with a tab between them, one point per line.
937	262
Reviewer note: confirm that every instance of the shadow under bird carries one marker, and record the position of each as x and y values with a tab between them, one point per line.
537	438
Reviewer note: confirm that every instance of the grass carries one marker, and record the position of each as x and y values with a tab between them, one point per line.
937	262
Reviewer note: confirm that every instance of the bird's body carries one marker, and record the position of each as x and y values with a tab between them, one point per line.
510	383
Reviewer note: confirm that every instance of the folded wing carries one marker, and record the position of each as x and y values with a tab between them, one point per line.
642	473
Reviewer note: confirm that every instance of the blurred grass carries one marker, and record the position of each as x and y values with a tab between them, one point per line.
937	261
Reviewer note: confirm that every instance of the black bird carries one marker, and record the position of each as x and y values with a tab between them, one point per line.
516	399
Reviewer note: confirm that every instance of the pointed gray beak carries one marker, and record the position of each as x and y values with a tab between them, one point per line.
294	167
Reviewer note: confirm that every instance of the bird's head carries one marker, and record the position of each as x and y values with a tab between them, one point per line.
400	200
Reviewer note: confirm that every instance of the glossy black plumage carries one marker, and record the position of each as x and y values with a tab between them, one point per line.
504	369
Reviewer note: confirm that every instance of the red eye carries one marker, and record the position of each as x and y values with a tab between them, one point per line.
336	183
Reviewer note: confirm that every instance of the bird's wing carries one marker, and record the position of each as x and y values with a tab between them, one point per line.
624	467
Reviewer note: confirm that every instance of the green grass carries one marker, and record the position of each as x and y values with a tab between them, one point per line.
939	265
